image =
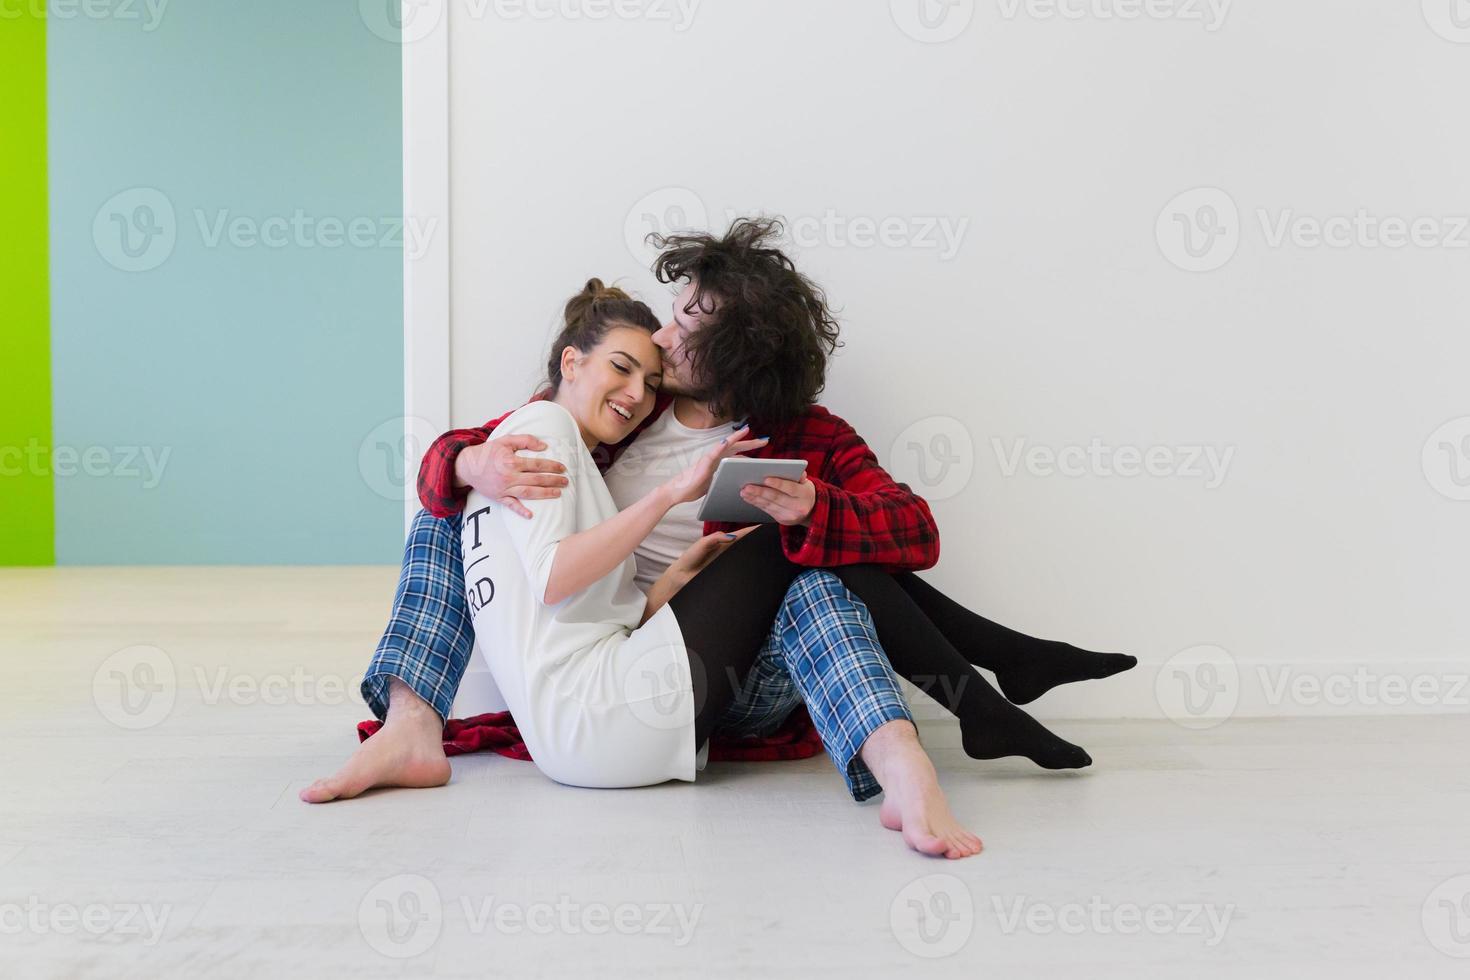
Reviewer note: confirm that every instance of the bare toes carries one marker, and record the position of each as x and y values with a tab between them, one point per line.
320	791
927	844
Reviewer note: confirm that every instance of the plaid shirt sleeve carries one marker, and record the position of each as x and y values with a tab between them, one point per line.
861	515
437	491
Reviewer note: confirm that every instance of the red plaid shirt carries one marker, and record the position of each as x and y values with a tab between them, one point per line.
861	515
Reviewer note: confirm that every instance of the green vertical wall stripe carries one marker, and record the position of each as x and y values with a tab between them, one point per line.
27	510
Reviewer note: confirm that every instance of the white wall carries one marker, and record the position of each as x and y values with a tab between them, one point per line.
1057	317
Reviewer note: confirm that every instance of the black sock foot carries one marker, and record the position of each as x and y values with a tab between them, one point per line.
1054	664
1002	733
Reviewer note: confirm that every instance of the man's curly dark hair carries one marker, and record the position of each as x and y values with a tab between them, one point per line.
764	355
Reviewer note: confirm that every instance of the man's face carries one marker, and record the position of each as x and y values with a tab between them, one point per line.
673	337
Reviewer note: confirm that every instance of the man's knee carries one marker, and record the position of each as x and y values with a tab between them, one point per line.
825	589
437	533
803	593
815	581
818	611
426	526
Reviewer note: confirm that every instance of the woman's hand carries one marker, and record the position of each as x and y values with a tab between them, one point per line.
693	561
694	482
697	556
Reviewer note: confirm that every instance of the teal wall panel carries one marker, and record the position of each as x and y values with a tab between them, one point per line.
226	283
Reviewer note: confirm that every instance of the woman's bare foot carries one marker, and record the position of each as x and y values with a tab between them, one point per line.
913	803
407	751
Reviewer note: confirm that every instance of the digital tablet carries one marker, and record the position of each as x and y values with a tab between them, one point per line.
723	502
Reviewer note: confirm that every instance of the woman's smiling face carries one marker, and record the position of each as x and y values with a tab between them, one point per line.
611	388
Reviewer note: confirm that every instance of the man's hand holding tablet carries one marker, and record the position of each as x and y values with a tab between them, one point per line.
759	491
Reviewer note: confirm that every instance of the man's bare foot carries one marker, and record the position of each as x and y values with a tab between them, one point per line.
927	824
913	803
407	751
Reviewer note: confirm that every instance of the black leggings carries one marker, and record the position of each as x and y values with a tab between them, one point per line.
725	614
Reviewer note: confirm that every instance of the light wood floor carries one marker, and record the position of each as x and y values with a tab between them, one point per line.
157	724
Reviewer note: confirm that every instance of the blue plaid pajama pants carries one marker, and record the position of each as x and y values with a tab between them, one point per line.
822	650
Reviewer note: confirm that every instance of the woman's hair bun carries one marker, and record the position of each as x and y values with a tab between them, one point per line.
583	305
589	315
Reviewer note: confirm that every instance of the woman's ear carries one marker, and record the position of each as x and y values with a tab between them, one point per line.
569	356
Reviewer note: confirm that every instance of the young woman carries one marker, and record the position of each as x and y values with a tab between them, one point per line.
596	674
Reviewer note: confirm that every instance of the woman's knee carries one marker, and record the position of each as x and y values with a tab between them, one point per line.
765	539
859	576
